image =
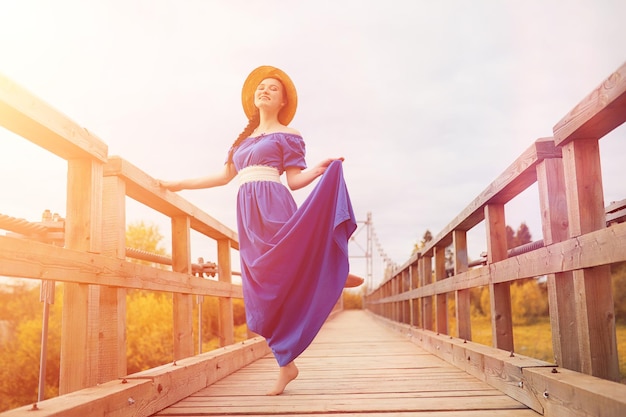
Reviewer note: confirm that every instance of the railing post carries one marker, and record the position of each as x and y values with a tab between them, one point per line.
226	328
441	299
183	303
112	351
500	293
594	297
561	292
427	302
463	305
83	232
414	303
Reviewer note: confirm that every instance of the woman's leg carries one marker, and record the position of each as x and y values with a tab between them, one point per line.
286	374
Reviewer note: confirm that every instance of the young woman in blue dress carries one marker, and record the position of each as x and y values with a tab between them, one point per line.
294	260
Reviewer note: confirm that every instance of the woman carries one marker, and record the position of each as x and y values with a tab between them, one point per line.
294	261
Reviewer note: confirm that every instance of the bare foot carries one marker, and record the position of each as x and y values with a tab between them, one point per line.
353	281
286	374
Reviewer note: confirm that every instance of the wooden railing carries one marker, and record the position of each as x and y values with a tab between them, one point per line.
575	255
92	263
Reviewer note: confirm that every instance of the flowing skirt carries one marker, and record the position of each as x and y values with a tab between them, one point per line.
294	260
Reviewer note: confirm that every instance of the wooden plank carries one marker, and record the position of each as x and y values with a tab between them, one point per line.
145	189
354	367
570	394
226	315
561	291
499	292
595	315
27	259
582	171
144	393
597	114
462	297
30	117
182	303
112	362
441	300
520	175
602	247
83	232
496	367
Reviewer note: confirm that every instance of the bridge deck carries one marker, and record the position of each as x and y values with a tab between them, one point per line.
355	367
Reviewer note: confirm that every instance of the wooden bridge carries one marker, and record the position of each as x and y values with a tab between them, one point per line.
397	357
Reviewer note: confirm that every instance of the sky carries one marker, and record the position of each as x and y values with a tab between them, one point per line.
428	101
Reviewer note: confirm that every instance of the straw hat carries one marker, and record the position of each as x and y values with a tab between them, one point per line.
252	82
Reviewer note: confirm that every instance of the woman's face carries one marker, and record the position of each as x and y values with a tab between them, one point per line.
269	94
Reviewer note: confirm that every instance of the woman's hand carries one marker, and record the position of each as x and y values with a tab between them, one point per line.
297	178
321	167
170	185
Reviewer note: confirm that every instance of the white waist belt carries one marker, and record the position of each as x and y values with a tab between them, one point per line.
258	173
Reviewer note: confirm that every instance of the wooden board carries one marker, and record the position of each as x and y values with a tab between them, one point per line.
355	367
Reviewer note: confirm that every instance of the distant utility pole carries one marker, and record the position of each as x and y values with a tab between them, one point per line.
367	249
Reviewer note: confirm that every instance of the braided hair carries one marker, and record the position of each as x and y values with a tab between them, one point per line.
253	123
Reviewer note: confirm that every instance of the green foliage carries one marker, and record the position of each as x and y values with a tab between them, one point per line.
144	237
149	330
618	273
428	236
21	347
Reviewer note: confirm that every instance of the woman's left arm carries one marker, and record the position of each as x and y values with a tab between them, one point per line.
298	178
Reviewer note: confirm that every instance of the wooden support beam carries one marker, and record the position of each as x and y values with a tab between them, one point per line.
561	291
500	293
145	393
600	112
145	189
28	259
226	317
605	246
83	232
441	300
112	362
520	175
427	302
183	303
462	297
596	336
30	117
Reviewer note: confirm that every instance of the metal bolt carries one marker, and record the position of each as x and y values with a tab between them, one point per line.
131	401
545	394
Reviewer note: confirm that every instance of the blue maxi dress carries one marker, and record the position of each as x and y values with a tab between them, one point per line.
294	261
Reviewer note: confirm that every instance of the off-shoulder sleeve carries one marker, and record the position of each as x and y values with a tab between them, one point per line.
293	151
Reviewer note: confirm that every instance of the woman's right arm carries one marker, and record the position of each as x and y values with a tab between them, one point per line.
221	178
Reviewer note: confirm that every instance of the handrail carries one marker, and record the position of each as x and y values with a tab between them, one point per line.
89	254
30	117
581	239
145	189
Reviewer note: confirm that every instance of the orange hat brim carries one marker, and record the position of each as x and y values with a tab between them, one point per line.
252	82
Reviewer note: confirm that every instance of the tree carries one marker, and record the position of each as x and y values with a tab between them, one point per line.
510	237
422	244
145	238
523	236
